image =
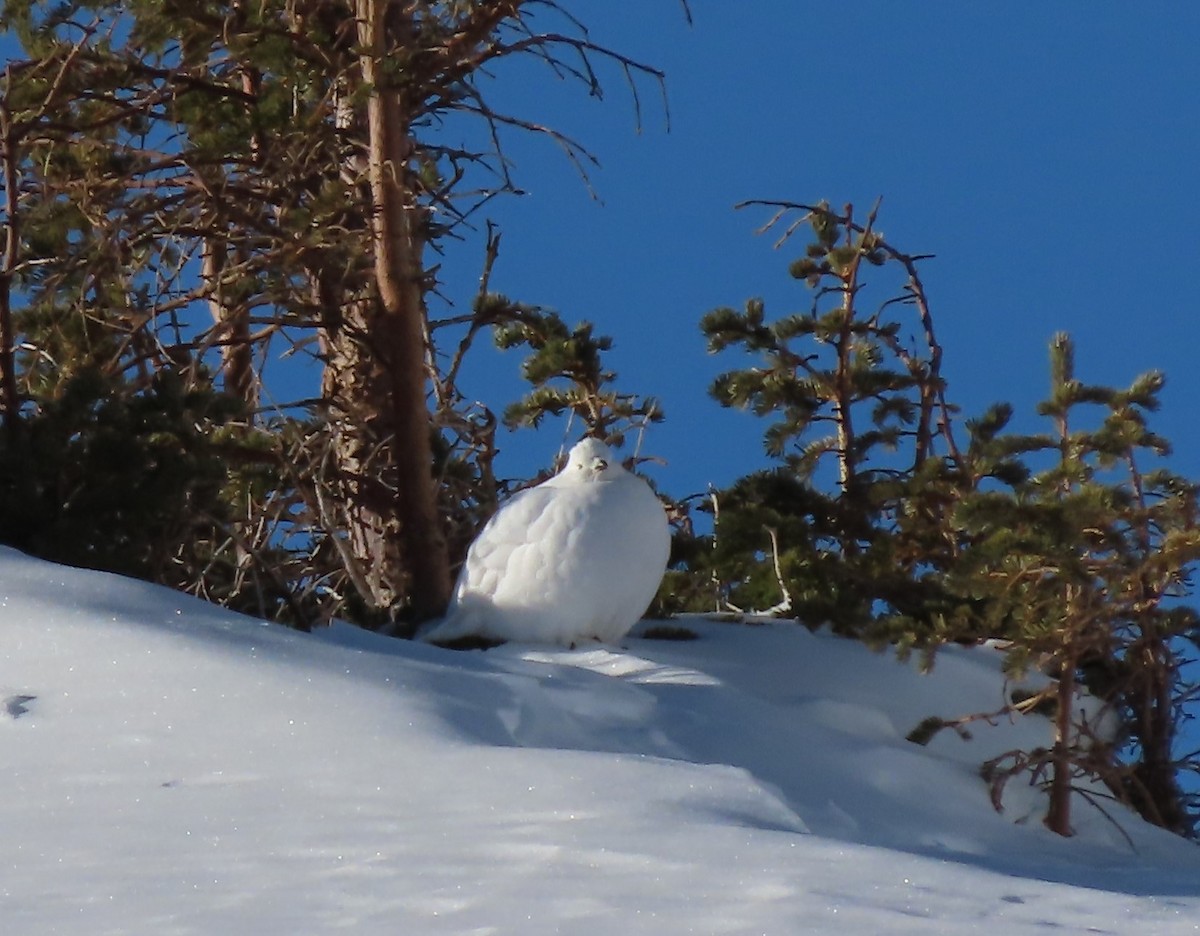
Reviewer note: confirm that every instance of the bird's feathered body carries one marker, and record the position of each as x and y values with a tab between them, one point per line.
578	557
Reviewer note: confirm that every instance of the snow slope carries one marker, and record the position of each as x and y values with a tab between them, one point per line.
170	768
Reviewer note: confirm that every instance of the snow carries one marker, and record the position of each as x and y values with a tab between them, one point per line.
171	768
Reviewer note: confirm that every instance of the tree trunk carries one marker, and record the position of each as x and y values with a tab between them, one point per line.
1156	793
8	267
237	353
842	413
1058	817
376	370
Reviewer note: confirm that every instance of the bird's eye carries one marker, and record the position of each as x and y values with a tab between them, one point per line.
599	464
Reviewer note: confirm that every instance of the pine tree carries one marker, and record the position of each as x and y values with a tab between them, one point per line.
1077	565
289	152
842	387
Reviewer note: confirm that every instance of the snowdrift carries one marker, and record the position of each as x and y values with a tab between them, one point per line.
171	768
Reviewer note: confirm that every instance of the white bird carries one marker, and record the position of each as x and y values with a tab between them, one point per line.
578	557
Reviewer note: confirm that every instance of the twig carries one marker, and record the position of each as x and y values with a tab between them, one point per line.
785	604
447	387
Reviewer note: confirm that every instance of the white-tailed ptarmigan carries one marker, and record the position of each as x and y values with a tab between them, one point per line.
576	558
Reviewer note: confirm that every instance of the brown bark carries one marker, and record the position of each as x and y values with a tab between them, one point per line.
8	267
376	369
1058	816
1156	792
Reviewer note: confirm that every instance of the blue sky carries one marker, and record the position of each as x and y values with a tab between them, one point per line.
1047	154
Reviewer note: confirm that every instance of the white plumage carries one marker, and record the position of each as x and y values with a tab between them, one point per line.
578	557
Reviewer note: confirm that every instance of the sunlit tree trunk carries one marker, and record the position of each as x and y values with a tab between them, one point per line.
376	367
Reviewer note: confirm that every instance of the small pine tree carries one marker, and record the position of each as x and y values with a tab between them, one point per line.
1077	564
841	388
566	369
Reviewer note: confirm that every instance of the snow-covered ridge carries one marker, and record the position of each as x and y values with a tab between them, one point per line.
172	768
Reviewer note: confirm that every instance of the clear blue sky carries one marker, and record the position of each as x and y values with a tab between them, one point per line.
1048	154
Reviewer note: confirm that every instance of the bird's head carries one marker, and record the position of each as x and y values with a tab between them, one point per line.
591	460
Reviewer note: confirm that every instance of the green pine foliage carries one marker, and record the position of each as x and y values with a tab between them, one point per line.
104	478
566	370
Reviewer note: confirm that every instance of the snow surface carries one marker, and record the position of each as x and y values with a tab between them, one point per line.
171	768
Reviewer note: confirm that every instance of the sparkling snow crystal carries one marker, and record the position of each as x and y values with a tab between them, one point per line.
578	557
